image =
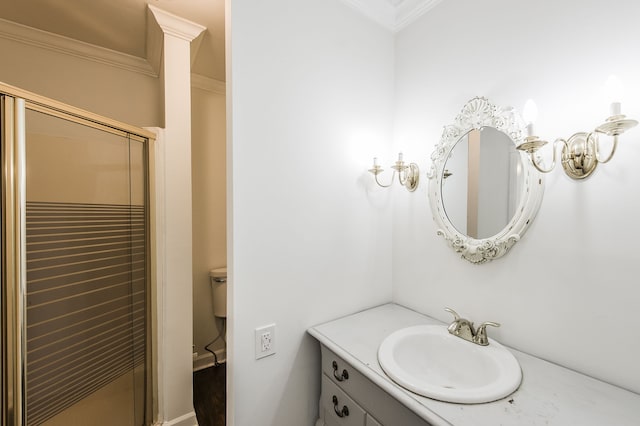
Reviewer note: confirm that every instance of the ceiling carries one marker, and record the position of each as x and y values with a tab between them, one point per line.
120	25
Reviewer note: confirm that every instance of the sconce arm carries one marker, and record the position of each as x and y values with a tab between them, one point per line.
538	167
401	169
553	160
390	182
597	146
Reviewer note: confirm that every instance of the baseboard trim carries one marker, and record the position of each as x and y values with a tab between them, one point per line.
206	360
188	419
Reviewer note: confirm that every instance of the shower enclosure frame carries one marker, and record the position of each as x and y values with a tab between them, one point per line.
13	104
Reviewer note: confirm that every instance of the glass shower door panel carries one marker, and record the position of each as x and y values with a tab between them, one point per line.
138	258
86	287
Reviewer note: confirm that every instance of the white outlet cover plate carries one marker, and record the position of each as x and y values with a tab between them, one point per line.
271	330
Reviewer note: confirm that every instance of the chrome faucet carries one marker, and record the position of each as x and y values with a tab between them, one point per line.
464	329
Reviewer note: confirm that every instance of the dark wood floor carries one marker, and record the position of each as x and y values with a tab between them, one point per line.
209	395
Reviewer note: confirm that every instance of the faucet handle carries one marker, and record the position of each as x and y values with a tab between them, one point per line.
456	317
460	327
481	333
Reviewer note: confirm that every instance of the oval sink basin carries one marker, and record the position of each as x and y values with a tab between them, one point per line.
429	361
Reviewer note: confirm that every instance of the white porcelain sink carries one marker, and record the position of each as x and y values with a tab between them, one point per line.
429	361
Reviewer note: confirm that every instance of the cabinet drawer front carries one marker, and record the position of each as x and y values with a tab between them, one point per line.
337	369
339	409
343	374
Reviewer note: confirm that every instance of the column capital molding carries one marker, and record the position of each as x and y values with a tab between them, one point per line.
175	25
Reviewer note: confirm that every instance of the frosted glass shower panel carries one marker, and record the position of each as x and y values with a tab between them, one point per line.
86	274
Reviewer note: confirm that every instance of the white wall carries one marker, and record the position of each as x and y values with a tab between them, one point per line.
568	292
311	90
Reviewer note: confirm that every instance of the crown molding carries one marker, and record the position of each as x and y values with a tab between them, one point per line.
380	11
410	10
67	46
393	14
33	37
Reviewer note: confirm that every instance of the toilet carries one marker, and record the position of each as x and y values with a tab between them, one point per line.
218	278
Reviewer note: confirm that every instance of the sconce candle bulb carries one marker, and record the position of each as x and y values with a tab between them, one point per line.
530	115
408	174
530	111
614	90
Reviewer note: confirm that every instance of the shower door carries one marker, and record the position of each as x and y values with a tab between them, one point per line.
84	296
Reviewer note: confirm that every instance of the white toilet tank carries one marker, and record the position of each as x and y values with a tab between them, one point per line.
218	278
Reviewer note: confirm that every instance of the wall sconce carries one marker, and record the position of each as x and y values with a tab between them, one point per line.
581	152
408	174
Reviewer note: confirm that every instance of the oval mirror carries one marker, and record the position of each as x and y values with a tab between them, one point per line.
483	192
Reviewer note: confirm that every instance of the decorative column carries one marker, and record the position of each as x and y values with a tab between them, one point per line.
174	278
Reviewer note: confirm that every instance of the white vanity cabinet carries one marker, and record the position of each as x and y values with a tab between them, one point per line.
348	398
549	395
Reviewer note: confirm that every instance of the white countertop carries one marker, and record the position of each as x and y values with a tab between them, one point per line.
549	394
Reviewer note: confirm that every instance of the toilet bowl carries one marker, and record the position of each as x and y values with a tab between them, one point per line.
218	278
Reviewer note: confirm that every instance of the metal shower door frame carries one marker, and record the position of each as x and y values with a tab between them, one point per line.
13	264
13	104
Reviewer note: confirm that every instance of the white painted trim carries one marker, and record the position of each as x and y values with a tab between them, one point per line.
176	397
79	49
199	81
154	43
407	15
231	317
393	15
175	25
379	11
188	419
206	360
157	225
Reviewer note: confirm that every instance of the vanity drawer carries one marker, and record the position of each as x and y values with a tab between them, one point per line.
340	372
339	408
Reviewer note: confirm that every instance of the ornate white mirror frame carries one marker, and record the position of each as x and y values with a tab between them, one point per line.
477	114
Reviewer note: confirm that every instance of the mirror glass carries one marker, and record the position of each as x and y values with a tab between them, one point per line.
480	189
483	193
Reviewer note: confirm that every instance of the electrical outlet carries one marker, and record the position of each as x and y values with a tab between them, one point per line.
265	340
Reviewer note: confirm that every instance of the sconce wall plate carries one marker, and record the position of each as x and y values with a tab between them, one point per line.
412	177
579	156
